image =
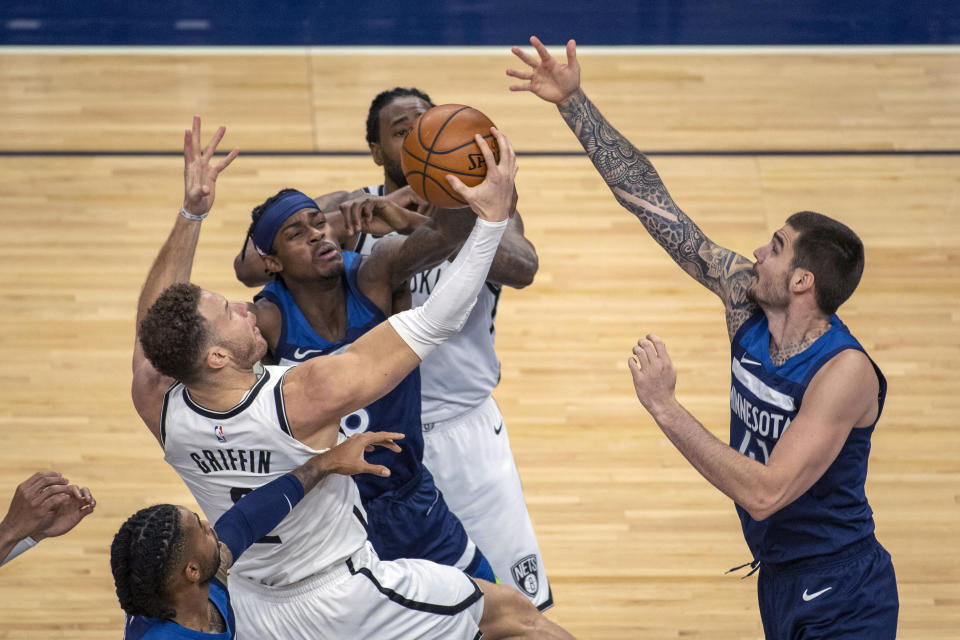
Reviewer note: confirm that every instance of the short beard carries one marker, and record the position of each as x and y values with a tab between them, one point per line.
395	174
215	568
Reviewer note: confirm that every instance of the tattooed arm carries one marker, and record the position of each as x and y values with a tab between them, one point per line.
636	184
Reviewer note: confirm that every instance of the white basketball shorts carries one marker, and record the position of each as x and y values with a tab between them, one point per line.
472	465
363	598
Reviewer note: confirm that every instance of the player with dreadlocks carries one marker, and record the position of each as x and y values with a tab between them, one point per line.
170	567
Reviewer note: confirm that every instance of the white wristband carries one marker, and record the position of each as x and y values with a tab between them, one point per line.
191	216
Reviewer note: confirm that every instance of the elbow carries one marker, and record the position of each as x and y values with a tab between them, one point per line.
763	504
522	276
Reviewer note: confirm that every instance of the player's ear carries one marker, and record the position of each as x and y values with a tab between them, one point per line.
377	152
217	357
191	571
273	264
801	280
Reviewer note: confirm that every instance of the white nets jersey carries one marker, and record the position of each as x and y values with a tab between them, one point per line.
447	390
222	455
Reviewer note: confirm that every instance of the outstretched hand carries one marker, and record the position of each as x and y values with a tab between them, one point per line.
493	199
46	505
654	377
199	176
548	78
347	457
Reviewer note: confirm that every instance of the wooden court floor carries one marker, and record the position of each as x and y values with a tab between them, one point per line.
635	542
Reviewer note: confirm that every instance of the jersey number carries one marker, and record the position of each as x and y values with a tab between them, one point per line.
238	492
763	447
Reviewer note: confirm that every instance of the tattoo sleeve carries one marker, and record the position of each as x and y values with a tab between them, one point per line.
639	189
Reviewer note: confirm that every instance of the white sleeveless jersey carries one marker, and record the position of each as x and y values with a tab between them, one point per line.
463	372
224	455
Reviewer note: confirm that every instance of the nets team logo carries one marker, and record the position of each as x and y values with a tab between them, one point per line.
218	431
525	575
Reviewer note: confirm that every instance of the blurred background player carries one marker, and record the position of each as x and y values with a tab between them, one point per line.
45	505
461	421
805	397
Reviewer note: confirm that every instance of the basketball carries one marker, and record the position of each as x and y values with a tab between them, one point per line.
440	143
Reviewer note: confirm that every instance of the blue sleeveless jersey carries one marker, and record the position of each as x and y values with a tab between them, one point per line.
764	399
142	628
399	410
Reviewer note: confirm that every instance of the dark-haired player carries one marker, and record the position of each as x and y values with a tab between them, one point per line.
805	397
170	567
228	425
465	441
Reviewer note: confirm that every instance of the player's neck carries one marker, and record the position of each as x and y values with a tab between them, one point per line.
223	389
793	330
193	608
324	305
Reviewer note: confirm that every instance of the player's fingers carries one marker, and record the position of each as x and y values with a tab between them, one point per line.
635	371
223	164
52	492
523	55
520	87
211	147
187	147
195	136
571	52
541	50
643	357
88	498
348	212
457	185
383	438
43	478
507	154
379	470
523	75
485	149
659	346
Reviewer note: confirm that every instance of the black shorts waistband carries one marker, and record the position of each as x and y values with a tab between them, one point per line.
850	551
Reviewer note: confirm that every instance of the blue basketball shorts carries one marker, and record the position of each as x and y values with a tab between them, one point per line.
415	522
848	595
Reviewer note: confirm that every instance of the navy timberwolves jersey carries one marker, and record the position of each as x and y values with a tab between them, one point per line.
399	410
764	399
139	627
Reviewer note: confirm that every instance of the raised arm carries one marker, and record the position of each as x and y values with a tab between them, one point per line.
323	389
635	183
175	261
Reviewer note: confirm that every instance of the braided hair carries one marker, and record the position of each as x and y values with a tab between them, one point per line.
144	554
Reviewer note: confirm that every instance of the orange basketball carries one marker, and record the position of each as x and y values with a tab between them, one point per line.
441	142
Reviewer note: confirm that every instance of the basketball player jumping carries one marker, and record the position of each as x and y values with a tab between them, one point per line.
805	396
461	421
226	426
